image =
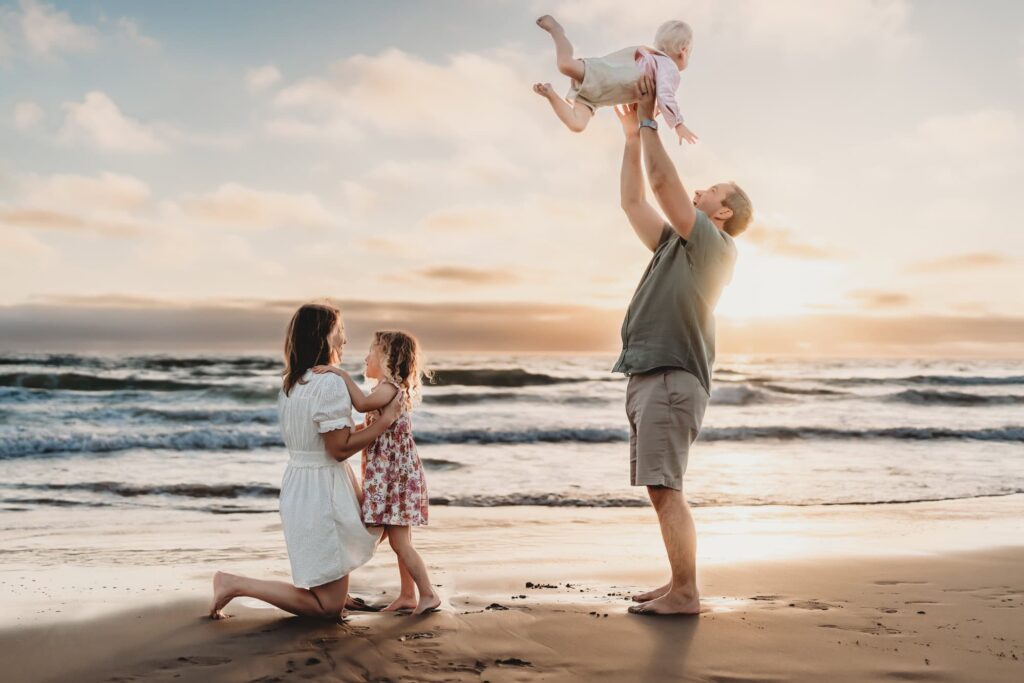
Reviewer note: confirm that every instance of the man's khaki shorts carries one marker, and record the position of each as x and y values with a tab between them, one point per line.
665	410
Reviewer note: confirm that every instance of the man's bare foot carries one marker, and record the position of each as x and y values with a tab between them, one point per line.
402	602
428	603
223	593
673	602
548	23
651	594
544	90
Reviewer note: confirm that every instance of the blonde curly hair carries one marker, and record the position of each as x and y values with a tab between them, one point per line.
401	362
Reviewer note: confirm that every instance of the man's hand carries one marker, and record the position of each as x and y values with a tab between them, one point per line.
645	105
629	120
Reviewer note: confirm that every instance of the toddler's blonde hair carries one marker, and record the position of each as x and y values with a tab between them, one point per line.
673	36
402	363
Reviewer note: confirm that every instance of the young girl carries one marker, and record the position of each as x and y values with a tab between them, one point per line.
615	78
394	485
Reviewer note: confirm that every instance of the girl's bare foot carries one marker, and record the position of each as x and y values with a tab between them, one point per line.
544	90
402	602
428	603
651	594
548	23
223	593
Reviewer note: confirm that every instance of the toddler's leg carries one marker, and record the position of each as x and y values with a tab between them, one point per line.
567	64
401	543
575	116
406	599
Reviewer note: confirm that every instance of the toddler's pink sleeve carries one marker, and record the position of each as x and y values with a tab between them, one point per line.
666	81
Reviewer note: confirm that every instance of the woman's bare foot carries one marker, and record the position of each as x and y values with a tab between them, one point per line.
673	602
548	23
428	603
544	90
223	592
651	594
402	602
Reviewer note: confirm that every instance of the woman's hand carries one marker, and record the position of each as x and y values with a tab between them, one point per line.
321	369
645	105
629	120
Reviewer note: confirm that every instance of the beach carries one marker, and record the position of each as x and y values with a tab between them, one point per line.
858	520
920	591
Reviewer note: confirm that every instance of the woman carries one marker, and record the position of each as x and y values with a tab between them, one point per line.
320	502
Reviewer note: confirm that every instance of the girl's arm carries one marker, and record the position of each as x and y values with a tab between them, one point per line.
364	403
375	400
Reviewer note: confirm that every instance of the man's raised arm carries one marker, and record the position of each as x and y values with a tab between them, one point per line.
668	189
646	222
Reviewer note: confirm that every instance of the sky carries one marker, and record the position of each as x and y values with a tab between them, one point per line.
163	162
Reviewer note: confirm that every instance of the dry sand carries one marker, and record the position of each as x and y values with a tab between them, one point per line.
930	591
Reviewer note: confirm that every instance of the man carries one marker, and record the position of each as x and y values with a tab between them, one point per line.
668	336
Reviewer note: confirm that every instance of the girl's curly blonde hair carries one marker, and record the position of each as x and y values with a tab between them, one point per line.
402	363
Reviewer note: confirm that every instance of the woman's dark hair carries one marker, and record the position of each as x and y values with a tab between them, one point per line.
307	343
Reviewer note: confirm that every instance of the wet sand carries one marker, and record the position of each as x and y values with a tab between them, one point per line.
929	591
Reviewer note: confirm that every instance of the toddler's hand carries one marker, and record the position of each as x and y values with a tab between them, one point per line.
685	133
321	369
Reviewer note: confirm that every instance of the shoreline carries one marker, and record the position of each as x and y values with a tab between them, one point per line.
794	593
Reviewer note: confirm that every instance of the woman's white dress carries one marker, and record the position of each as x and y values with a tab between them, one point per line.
320	514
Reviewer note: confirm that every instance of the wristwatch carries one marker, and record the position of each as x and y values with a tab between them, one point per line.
649	123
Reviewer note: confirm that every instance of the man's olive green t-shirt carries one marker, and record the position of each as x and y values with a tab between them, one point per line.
670	322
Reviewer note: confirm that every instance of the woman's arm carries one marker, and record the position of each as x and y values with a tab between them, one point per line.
342	444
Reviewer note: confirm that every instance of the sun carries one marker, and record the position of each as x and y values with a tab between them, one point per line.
769	286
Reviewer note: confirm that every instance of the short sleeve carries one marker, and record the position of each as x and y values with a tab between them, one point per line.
708	246
333	408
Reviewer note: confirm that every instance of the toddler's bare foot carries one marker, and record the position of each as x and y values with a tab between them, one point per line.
223	593
402	602
548	23
428	603
544	90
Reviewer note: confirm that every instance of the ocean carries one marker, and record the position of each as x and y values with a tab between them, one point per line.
199	433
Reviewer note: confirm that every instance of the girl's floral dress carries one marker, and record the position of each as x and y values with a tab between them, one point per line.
394	485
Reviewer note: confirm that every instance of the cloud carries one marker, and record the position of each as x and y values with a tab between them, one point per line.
27	114
105	204
105	191
467	276
785	242
98	121
794	26
235	205
969	261
129	28
871	298
48	31
335	130
470	96
262	77
139	324
50	219
970	134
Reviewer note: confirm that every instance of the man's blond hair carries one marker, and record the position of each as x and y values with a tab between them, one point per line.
673	36
742	211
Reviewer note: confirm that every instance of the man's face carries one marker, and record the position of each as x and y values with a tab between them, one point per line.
710	200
